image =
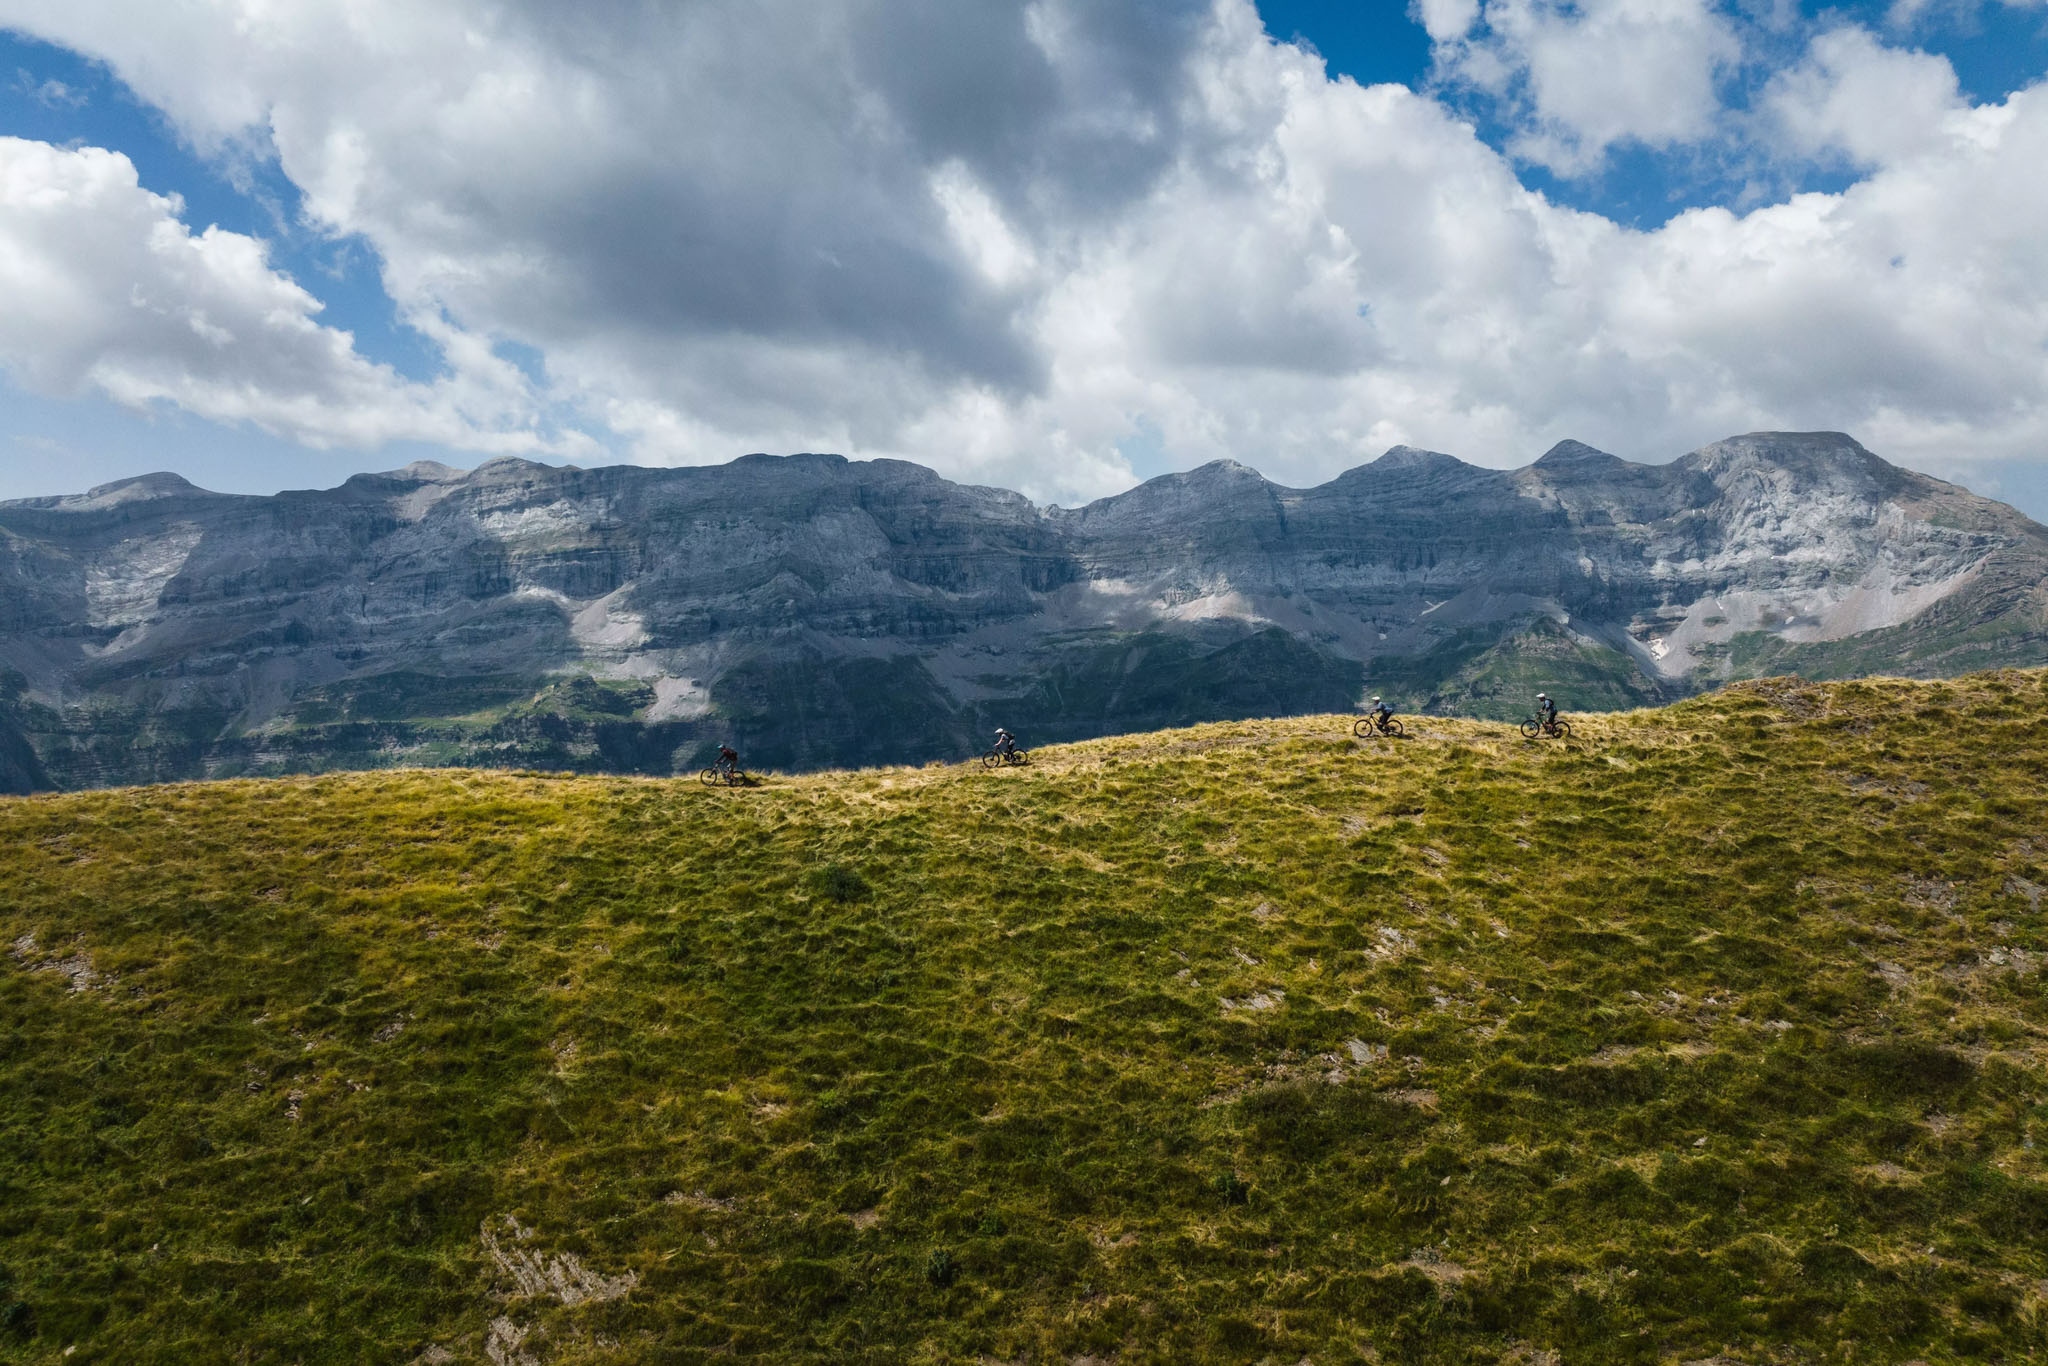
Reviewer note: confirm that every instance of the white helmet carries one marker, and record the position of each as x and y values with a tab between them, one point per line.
1543	697
1375	697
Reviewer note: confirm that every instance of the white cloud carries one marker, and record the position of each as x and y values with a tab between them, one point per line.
1906	14
1874	104
1586	75
1002	256
108	291
1446	20
1007	242
51	93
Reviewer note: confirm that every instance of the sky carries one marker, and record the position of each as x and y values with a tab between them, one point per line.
1058	246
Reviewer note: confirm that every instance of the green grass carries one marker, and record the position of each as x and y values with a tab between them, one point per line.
1718	1032
1495	675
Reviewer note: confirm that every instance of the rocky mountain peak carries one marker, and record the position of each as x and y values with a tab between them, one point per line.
1179	495
1221	471
1411	457
1796	461
143	487
420	475
794	460
513	469
428	472
1809	451
1577	456
1413	475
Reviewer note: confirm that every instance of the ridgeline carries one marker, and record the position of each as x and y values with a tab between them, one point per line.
1716	1032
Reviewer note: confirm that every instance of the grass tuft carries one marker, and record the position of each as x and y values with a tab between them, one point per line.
838	883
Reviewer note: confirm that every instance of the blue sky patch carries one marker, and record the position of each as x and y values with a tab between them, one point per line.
53	95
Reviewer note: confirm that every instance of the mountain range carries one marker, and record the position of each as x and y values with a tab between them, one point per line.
818	611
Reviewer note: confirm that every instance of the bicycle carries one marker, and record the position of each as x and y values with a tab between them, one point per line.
1555	730
1366	728
731	775
997	758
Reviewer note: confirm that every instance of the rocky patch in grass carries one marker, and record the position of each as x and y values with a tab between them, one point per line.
75	968
533	1271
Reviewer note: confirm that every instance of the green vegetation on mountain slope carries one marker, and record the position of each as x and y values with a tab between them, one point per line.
1494	674
1717	1032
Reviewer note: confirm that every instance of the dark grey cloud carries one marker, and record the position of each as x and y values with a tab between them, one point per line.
1063	111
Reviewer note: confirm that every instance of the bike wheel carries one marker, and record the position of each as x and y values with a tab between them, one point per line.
1394	729
1530	730
1362	728
709	777
736	778
1563	730
1015	758
991	759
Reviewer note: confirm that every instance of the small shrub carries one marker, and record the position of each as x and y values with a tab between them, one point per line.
837	882
940	1269
1239	1336
1231	1188
1911	1068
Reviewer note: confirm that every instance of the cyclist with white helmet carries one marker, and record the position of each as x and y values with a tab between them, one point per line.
1378	720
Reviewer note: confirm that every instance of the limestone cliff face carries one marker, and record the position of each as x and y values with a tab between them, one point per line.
824	611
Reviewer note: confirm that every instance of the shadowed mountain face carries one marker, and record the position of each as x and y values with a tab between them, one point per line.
819	611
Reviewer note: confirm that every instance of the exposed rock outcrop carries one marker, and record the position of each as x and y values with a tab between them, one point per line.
825	611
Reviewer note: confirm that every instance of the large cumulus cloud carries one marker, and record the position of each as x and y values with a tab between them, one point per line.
106	290
1021	241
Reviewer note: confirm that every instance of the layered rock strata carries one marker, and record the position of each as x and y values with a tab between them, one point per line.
818	611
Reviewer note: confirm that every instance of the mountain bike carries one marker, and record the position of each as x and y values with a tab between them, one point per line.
1555	730
1365	728
731	775
997	758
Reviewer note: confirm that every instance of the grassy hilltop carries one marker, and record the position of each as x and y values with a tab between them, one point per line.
1716	1034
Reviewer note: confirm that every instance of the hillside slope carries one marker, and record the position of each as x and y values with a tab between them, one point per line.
1717	1033
825	612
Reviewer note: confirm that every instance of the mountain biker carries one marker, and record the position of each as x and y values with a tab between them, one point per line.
728	757
1006	743
1380	713
1546	711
